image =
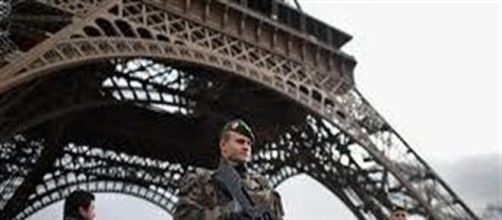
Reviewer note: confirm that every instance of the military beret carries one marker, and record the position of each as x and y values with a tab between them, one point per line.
240	127
396	208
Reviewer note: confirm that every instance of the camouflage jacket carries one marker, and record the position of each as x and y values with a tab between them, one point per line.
201	199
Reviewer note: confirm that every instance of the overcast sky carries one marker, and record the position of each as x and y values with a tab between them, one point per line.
433	70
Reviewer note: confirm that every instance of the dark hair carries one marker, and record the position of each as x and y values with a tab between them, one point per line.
76	199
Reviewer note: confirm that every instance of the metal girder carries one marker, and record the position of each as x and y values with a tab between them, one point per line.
202	62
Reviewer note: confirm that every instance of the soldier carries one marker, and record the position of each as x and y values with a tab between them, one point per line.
79	206
202	198
398	213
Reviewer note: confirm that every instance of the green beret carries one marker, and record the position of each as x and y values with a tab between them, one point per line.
396	208
240	127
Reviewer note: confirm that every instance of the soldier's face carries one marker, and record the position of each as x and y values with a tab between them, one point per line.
236	147
398	215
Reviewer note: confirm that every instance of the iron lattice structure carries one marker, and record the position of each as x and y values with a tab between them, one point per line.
126	96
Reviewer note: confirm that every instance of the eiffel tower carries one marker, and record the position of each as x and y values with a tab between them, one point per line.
125	96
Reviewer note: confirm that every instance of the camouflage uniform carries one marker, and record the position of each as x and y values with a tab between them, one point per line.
201	199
